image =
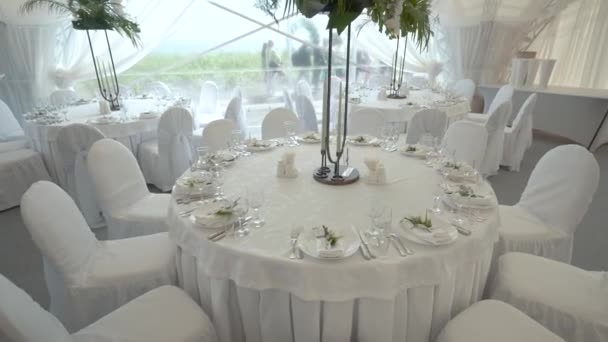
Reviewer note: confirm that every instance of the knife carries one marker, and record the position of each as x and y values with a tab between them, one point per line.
462	230
366	245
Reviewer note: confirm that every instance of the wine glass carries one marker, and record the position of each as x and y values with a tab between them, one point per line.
240	226
437	199
255	198
381	218
291	128
217	176
202	162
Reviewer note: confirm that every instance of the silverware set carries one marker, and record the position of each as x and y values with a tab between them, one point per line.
295	252
399	246
217	236
364	248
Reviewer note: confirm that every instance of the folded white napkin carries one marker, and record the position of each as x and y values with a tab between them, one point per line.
483	201
324	250
286	166
104	107
377	171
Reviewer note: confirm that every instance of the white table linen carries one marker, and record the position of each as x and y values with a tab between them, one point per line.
400	111
253	291
130	133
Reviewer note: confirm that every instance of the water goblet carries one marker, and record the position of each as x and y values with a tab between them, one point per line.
437	200
291	127
255	199
217	176
202	163
240	226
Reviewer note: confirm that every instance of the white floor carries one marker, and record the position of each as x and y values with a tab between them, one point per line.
20	260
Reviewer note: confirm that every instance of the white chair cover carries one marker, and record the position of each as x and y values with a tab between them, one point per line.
419	82
366	121
164	163
427	121
303	89
567	300
73	144
306	113
464	88
208	99
516	136
86	278
217	134
9	126
236	114
157	88
504	94
63	97
557	196
19	169
491	320
288	101
23	320
128	207
273	125
495	126
466	141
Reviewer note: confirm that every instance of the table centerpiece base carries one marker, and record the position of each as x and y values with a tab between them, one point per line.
327	176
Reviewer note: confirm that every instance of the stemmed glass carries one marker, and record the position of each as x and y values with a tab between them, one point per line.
240	227
382	219
290	130
217	176
437	199
255	198
237	144
202	163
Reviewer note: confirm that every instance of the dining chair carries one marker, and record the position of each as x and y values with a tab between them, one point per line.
517	135
366	121
128	207
163	314
465	141
464	88
88	278
217	134
208	98
306	114
303	88
569	301
430	121
273	125
157	88
236	113
63	97
9	126
287	99
492	320
495	126
73	144
164	160
504	94
554	202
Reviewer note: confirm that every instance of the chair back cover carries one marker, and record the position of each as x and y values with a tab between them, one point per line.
9	126
116	175
58	229
288	101
523	116
466	141
63	97
217	134
73	144
208	99
366	121
303	88
306	113
504	94
157	88
495	126
561	187
236	114
23	320
273	125
464	88
427	121
174	143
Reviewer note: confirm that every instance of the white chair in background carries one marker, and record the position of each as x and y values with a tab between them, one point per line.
365	121
148	318
306	114
466	141
420	82
207	103
491	320
569	301
504	94
164	160
157	88
557	196
63	97
10	129
427	121
495	126
303	89
516	136
88	278
217	135
236	113
273	125
288	101
464	88
73	144
128	207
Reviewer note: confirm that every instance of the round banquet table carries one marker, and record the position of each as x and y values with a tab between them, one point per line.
130	133
402	110
253	292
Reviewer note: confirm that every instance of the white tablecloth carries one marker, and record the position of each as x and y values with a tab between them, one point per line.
253	292
130	133
402	110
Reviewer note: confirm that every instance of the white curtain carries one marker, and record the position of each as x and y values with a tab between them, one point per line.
578	39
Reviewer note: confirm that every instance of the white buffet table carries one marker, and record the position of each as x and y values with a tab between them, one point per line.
253	292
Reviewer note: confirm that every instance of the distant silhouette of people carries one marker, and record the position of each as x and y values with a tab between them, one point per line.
273	61
301	59
264	62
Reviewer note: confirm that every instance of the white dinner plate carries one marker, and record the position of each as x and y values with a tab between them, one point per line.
369	140
452	201
306	140
192	185
205	217
349	241
421	151
446	233
269	146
